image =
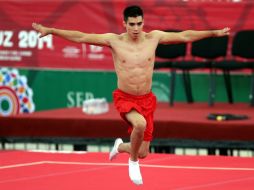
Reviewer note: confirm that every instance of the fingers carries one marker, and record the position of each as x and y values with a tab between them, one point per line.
226	30
38	28
35	25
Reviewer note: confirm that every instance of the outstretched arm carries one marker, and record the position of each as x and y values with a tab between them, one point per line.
75	36
189	35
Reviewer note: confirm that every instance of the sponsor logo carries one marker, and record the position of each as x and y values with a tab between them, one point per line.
15	94
96	52
71	52
76	98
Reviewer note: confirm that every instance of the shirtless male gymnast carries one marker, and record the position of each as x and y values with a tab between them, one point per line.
133	55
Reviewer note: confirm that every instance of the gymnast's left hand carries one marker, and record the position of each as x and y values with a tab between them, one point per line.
44	31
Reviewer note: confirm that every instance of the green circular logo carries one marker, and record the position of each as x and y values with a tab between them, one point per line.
5	105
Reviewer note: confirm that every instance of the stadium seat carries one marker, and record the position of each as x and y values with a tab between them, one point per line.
243	58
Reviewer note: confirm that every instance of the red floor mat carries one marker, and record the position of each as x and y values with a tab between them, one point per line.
86	171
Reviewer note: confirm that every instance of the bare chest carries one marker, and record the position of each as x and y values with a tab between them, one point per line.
140	54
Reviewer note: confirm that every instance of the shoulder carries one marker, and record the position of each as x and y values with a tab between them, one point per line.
155	34
110	38
114	36
111	35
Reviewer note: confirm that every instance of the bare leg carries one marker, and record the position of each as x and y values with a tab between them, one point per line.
121	147
139	124
137	148
124	148
143	150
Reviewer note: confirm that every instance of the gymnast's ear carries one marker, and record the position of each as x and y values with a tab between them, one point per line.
124	24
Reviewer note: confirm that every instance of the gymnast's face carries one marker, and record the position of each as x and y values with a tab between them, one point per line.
134	26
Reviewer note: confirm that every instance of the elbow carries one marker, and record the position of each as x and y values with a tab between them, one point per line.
187	39
78	40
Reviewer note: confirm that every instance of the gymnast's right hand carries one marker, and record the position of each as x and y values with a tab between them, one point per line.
44	31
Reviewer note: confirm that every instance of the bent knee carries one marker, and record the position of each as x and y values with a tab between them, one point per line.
143	154
140	124
137	120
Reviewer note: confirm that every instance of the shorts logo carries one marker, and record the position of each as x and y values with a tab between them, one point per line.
15	95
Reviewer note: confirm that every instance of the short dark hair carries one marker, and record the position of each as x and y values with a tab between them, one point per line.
132	11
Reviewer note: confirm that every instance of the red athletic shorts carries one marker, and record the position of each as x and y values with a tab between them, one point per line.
144	104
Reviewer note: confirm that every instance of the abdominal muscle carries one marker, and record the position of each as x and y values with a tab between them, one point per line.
135	80
140	88
134	65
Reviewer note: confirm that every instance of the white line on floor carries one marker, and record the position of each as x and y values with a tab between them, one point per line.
125	164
